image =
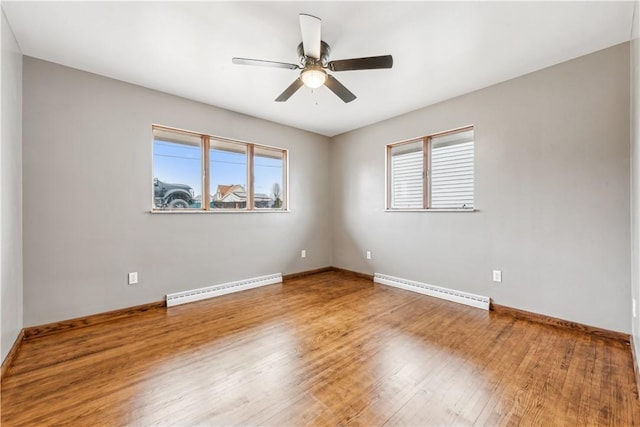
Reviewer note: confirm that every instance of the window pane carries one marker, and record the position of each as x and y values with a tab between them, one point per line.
407	187
268	172
452	171
177	182
228	175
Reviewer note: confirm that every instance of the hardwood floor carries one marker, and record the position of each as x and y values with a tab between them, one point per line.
327	349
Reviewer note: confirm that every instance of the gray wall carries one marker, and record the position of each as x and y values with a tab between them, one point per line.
635	173
552	193
87	193
11	187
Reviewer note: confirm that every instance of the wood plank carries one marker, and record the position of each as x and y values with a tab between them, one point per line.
353	273
306	273
548	320
94	319
636	367
11	355
323	349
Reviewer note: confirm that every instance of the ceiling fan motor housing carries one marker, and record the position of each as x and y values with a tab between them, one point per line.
324	56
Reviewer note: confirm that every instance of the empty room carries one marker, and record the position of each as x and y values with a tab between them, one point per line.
320	213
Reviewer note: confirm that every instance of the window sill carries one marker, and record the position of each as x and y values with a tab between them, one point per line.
229	211
432	210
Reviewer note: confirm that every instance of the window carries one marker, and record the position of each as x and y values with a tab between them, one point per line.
228	175
268	167
205	173
177	160
434	172
407	170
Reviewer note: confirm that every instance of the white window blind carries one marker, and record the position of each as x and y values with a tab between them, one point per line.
452	171
407	176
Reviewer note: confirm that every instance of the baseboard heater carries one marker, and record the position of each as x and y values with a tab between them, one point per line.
434	291
222	289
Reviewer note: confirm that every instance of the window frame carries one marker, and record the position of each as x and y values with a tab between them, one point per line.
206	197
426	172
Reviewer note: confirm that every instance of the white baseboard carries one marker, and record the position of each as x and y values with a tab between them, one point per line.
222	289
434	291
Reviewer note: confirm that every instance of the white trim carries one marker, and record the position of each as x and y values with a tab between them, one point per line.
223	289
466	298
433	210
216	211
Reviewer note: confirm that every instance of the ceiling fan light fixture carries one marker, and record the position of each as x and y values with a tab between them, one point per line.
313	77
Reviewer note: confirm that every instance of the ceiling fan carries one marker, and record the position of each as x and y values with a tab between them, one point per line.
314	60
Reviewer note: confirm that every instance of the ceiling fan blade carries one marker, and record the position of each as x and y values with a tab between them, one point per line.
310	28
297	83
369	63
262	63
336	87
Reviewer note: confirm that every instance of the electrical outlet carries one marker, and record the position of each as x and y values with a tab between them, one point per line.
133	278
303	253
368	254
497	276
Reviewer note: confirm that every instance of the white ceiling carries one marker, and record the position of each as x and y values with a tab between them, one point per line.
440	49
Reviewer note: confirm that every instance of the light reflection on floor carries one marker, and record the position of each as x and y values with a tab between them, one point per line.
260	369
